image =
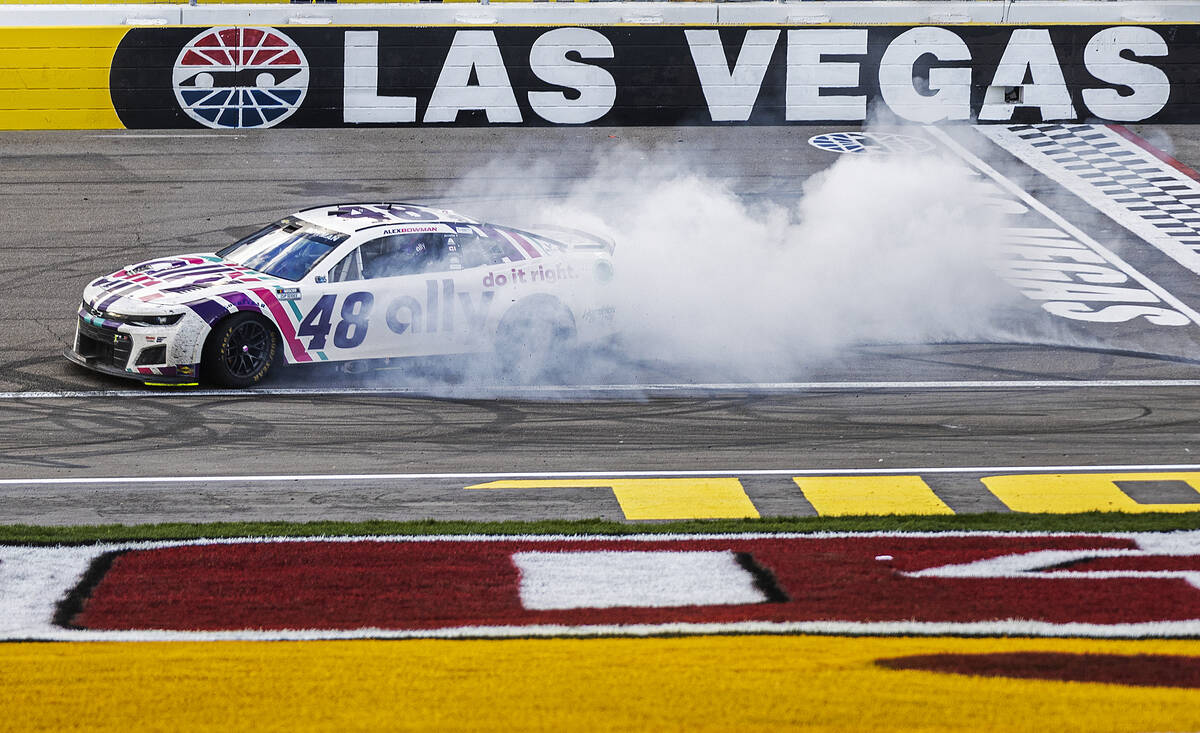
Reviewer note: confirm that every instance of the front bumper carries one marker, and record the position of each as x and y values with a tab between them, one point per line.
97	365
104	347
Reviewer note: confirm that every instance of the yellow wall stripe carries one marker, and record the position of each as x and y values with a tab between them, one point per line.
57	78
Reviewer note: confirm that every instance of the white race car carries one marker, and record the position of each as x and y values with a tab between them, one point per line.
349	283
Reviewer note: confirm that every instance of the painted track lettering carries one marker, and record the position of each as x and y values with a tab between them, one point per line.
1122	585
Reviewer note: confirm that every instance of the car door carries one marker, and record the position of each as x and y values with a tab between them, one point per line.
337	314
439	299
465	276
434	296
374	304
409	294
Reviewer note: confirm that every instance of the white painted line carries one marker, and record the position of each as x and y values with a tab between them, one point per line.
1067	226
1121	468
494	391
1189	628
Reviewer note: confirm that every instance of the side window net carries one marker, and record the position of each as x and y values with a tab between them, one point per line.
402	254
350	268
411	254
479	251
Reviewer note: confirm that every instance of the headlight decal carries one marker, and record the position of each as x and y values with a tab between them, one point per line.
97	315
169	319
94	317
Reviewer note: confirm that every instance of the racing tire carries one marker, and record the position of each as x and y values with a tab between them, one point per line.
532	339
240	351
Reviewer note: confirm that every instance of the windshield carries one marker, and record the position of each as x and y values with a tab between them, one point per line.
286	249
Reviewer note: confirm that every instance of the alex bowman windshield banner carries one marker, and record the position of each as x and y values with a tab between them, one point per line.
247	77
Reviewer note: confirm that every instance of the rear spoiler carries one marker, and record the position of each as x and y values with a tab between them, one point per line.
573	239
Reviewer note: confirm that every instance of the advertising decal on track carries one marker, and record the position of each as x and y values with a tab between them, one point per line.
1153	195
870	142
1070	585
1066	271
331	77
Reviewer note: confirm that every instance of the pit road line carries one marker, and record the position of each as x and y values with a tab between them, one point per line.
599	474
617	389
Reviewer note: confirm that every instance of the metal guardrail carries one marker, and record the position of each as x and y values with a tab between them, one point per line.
89	13
358	2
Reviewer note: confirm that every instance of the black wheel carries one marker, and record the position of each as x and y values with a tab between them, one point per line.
532	340
239	351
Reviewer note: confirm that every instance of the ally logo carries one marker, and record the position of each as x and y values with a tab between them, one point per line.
240	77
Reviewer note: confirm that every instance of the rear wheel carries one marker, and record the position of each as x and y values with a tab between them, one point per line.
532	339
239	351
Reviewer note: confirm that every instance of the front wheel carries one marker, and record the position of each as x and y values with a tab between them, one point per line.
239	351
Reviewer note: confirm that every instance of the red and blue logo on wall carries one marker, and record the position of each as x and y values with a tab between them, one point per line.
240	77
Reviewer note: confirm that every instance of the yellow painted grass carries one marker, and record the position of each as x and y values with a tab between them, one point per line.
687	684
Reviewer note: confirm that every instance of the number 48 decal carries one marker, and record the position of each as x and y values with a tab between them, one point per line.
352	329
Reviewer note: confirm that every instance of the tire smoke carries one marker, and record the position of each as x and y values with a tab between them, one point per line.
877	249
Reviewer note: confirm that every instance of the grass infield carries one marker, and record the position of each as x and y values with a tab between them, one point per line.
705	683
699	683
992	522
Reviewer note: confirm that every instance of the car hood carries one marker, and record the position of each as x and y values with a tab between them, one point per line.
155	285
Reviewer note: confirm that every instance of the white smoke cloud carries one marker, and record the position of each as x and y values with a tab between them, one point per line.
879	248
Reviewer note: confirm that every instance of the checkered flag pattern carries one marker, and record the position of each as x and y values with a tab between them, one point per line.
1146	195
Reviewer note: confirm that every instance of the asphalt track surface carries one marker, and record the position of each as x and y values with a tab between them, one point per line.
79	448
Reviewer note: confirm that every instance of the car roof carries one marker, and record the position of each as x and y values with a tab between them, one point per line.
349	218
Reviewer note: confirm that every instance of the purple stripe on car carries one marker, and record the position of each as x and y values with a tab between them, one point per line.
210	310
241	301
104	304
510	249
188	272
123	287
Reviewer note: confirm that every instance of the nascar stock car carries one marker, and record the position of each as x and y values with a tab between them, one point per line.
351	283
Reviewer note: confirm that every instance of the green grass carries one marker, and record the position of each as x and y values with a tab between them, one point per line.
1091	522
